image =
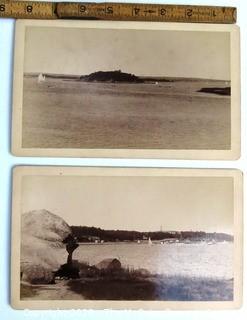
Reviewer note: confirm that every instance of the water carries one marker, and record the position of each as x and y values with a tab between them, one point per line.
193	260
75	114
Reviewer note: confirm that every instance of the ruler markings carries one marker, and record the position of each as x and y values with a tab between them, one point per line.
27	9
117	11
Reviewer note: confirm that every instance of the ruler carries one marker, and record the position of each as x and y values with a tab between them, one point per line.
28	10
117	11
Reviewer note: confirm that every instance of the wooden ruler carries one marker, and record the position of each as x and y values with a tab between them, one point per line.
27	9
117	11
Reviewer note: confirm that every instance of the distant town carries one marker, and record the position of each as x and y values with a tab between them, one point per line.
98	235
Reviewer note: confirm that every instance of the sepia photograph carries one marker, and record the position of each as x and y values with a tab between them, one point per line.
126	89
121	238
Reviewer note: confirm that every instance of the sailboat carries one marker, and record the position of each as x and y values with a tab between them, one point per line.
41	78
150	241
212	242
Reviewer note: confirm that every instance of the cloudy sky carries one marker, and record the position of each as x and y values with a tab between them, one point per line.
134	203
197	54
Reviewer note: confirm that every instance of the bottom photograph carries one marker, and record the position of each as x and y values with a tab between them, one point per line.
126	238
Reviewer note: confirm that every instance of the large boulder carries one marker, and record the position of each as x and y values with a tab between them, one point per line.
109	264
141	272
45	225
42	247
36	274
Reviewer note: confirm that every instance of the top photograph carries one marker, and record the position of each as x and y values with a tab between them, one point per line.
126	90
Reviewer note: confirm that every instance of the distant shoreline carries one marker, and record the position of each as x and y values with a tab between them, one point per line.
97	235
145	78
153	242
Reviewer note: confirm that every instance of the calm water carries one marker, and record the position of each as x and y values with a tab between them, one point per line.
200	260
74	114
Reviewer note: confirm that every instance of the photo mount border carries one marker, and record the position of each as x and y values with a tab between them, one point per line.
186	154
21	171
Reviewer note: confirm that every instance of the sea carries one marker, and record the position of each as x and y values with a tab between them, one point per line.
210	260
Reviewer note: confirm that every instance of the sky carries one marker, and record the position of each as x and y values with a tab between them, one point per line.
196	54
134	203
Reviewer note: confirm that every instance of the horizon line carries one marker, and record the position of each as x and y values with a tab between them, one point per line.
140	76
163	231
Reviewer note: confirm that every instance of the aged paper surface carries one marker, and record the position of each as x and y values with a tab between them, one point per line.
132	238
126	89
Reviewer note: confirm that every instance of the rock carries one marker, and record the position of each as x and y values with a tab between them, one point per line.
89	272
42	236
67	271
109	264
37	274
45	225
112	76
142	272
226	91
71	245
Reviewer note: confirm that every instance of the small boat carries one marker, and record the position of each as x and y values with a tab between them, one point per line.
41	78
150	241
211	242
138	241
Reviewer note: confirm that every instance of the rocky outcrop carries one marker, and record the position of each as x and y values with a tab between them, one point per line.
36	274
141	272
42	245
45	225
109	264
67	271
226	91
111	76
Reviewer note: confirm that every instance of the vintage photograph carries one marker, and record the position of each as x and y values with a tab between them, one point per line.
126	238
126	89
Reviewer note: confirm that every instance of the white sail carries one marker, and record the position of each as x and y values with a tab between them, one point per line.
212	242
41	78
150	241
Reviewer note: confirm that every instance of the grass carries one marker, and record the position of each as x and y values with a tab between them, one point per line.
128	284
106	289
125	284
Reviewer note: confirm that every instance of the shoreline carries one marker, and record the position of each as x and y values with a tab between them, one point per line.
152	287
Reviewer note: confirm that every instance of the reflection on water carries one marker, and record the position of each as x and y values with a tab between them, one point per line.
199	260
